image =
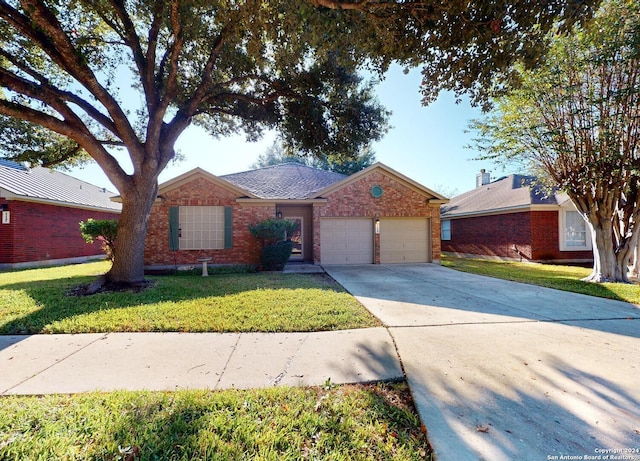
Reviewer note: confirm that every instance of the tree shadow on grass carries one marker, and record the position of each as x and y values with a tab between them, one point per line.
56	303
284	423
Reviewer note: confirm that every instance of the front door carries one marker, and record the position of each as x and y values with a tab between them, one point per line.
297	254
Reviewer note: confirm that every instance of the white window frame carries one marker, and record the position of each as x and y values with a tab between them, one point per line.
445	230
568	207
201	227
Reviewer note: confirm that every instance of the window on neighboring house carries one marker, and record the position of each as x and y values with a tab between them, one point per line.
445	230
574	232
200	227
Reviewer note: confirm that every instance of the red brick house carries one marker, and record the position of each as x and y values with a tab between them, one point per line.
514	218
41	209
374	216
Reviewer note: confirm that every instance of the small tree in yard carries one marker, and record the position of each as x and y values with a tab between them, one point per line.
103	230
576	119
276	249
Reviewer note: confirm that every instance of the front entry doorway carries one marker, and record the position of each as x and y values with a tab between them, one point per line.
303	238
297	238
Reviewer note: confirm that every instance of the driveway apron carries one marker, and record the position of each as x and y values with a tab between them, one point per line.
506	371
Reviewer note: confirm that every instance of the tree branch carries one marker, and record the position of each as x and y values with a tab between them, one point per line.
53	97
78	133
43	28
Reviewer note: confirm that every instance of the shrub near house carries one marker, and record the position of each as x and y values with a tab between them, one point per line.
276	248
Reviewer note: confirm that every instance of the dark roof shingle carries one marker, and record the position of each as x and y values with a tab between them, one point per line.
513	191
287	181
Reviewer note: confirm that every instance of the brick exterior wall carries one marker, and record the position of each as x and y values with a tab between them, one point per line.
202	192
530	235
398	200
42	232
353	200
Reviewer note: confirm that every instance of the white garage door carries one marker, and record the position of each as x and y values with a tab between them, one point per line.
346	241
405	240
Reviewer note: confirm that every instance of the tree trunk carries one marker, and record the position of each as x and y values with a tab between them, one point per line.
635	270
609	265
128	263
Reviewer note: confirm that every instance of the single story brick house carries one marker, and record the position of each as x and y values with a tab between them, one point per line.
514	218
41	211
374	216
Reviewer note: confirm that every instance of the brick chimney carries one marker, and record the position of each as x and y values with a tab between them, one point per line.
483	178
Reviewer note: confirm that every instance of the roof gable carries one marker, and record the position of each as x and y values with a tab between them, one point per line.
510	193
293	181
196	173
433	196
51	186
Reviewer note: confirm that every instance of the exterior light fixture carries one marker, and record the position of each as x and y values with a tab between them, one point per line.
279	215
377	225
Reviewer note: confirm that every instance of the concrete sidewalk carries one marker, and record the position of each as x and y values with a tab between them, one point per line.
44	364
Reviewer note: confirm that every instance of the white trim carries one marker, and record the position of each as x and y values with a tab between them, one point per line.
284	202
569	207
43	201
499	211
442	229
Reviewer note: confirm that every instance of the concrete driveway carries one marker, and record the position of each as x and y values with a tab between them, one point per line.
507	371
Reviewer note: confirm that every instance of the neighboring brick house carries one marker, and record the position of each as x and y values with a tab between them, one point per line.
374	216
41	211
515	218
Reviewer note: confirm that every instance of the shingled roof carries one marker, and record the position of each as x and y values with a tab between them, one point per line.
44	185
287	181
511	193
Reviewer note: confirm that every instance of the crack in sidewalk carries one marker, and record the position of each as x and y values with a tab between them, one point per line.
226	365
275	381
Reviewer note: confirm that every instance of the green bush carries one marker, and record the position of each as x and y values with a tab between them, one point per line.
272	230
275	249
102	230
274	257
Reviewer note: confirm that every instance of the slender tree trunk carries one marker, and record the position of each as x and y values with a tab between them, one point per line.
128	263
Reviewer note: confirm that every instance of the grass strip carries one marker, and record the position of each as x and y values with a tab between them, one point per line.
369	422
566	278
38	301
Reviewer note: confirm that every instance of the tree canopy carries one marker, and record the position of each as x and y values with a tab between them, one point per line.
277	154
68	70
576	120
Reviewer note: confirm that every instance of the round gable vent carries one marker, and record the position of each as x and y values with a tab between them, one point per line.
376	191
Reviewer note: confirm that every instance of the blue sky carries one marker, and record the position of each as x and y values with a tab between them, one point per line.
426	144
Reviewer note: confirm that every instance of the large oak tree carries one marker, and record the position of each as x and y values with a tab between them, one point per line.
231	66
576	119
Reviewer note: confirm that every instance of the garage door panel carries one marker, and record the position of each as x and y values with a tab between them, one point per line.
405	240
346	241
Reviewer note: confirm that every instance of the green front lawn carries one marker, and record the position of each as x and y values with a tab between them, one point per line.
566	278
373	422
37	301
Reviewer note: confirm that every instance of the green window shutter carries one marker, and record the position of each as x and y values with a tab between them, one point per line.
228	227
174	228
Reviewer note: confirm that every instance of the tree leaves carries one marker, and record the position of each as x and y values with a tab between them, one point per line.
576	119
